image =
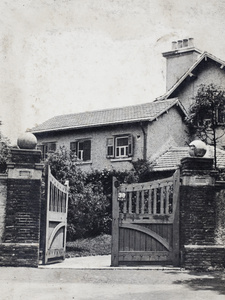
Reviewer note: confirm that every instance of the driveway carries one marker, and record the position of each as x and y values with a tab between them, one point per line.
100	283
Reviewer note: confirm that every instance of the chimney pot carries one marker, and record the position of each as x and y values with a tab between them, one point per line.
174	45
185	42
191	42
180	43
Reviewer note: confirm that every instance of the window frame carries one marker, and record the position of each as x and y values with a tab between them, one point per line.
83	153
45	148
116	151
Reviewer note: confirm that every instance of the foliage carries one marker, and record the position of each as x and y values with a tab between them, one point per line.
207	113
63	167
99	245
142	169
90	196
4	153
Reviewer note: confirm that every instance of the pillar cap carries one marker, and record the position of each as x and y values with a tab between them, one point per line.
27	140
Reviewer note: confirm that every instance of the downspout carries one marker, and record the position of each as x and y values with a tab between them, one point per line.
144	141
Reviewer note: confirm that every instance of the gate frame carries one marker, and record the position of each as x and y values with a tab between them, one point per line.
62	221
116	219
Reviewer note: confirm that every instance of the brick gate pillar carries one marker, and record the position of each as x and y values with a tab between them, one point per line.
20	245
198	207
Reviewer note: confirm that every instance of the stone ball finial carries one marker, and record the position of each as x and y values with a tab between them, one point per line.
27	141
197	148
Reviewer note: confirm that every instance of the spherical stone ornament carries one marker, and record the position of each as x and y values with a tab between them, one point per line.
197	148
27	141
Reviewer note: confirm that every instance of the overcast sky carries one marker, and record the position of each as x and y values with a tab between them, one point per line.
68	56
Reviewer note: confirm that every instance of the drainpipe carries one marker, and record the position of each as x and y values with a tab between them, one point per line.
144	141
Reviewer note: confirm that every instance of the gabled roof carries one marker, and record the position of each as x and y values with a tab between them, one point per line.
170	159
203	57
130	114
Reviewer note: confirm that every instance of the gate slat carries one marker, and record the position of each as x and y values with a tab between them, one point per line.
56	219
148	222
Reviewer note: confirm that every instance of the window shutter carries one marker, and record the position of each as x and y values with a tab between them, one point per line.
52	147
87	150
110	147
41	147
73	146
130	145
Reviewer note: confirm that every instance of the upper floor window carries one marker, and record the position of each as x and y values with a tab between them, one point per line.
220	115
46	148
216	117
82	149
120	146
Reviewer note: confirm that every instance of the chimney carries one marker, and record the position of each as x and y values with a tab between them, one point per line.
182	56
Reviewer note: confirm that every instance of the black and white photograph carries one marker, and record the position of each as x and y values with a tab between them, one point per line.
112	149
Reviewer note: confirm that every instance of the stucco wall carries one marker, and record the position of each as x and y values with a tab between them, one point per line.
98	138
177	65
209	73
168	130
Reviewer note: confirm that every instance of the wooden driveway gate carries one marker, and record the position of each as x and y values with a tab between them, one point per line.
56	220
145	225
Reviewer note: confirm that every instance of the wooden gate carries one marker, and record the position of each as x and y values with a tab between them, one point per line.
145	225
56	219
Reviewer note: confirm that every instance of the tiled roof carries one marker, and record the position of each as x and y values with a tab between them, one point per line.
142	112
203	57
170	159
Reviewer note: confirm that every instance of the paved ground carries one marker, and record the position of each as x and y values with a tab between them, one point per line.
73	279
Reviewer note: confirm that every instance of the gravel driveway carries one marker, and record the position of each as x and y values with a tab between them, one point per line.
127	284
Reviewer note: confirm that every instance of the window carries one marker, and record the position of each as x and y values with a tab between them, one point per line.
46	148
220	115
206	117
120	146
82	149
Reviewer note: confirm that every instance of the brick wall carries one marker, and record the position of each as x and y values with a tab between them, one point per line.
204	257
23	211
12	254
3	196
200	216
197	215
20	205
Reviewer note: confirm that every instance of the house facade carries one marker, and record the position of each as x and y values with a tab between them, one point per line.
194	68
114	138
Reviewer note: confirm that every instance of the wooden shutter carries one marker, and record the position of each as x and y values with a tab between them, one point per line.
73	147
110	147
42	148
87	150
130	145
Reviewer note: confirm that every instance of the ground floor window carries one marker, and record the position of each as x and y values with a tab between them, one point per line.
46	148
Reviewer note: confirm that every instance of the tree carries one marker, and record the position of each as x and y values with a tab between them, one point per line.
207	115
4	152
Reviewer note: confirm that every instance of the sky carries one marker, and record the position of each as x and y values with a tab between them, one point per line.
69	56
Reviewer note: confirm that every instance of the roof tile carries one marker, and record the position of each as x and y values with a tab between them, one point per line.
147	111
170	159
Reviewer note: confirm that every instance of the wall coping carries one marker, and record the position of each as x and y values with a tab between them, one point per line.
19	244
204	246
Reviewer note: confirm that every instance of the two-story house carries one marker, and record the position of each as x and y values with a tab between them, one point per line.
113	138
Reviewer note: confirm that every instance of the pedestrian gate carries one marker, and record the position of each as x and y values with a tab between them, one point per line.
56	219
145	225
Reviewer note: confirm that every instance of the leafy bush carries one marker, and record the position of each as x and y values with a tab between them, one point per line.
4	153
90	196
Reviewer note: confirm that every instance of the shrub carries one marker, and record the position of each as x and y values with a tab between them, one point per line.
90	195
4	153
